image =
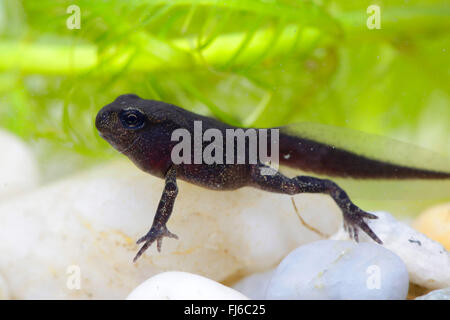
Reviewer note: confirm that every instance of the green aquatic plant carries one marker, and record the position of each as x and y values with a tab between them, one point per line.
246	62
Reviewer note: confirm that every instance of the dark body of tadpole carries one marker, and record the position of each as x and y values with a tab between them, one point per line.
142	130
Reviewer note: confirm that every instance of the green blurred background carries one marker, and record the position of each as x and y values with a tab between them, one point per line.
247	62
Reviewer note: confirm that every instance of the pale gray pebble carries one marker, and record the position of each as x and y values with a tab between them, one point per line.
427	261
19	170
330	269
4	291
178	285
442	294
255	285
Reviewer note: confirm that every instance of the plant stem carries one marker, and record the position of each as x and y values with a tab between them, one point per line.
153	55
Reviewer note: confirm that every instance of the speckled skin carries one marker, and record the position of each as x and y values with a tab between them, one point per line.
150	146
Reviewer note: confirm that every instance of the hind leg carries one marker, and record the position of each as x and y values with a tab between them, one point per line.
353	215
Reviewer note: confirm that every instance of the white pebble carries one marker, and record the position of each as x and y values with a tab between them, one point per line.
255	285
4	292
330	269
92	220
442	294
175	285
427	261
18	167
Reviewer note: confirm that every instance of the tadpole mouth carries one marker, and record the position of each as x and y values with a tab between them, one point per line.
101	135
107	138
104	135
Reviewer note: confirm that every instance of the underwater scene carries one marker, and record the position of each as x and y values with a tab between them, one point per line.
225	150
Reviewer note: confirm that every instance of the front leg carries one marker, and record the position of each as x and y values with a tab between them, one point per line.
353	215
159	229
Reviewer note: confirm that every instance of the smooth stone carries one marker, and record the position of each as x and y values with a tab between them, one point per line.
90	222
442	294
435	223
18	167
254	286
427	261
330	269
4	291
176	285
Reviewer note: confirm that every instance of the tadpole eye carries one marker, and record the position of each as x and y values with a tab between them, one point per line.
132	119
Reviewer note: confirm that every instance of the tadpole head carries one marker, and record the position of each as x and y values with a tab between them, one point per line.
121	121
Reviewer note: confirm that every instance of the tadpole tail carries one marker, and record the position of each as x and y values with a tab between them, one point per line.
323	159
